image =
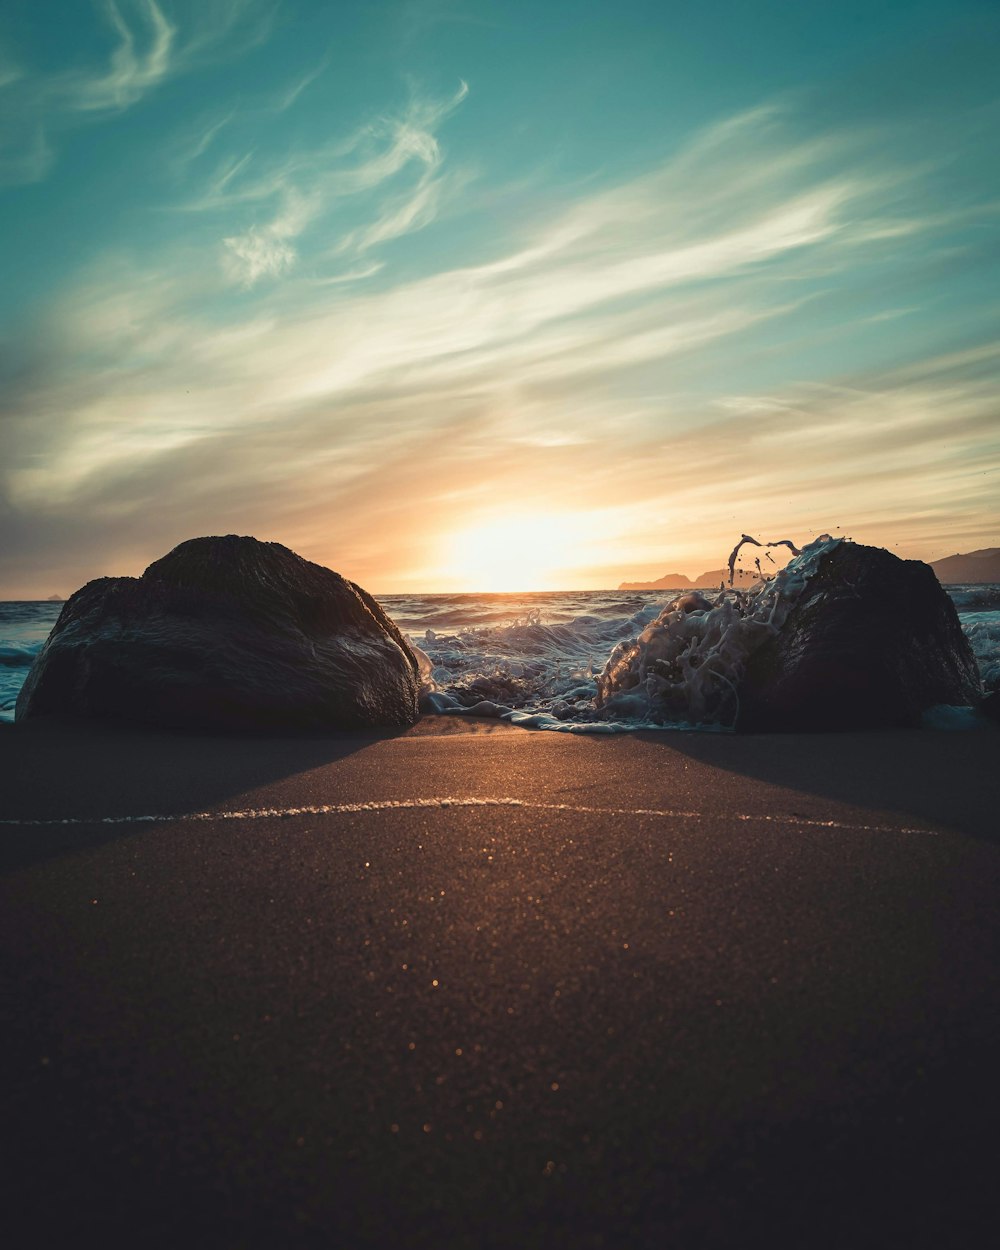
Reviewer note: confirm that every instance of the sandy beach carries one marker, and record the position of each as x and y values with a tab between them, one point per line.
471	986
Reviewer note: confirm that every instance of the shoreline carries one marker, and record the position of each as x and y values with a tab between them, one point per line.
62	768
499	988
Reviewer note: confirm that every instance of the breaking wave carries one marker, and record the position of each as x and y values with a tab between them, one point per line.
23	630
675	666
19	654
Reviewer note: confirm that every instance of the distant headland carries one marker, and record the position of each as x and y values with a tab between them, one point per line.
970	568
677	581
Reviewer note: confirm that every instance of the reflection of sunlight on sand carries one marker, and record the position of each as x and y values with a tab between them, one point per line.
536	552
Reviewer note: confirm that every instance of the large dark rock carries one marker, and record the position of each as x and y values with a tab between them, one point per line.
226	633
871	642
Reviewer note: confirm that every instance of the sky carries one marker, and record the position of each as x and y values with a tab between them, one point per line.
495	295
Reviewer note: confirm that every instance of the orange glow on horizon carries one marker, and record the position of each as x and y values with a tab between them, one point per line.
516	553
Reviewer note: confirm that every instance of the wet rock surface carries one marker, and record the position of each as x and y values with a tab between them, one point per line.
226	633
871	642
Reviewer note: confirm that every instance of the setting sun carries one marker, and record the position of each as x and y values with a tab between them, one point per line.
510	553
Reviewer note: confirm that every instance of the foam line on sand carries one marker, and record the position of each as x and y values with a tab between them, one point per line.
389	805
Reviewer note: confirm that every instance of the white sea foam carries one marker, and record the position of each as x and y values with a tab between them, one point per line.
982	628
444	803
523	668
685	667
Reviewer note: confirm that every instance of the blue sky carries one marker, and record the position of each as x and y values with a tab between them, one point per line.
426	289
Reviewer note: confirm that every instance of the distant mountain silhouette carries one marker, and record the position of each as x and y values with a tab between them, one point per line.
669	581
972	566
55	599
677	581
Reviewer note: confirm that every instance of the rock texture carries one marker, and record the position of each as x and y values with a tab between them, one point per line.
226	633
871	643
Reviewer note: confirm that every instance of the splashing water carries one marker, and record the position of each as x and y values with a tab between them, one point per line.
680	668
781	542
685	667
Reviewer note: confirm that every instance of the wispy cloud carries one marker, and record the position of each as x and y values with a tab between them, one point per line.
285	197
410	211
595	355
191	146
26	160
285	99
133	70
148	49
267	251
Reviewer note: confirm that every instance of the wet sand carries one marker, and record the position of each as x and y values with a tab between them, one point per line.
500	988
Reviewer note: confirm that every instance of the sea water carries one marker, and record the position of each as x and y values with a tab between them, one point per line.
24	626
537	659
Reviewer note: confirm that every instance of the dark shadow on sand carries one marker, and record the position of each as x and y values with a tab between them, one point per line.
63	768
949	778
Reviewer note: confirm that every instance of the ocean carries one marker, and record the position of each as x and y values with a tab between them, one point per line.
533	659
